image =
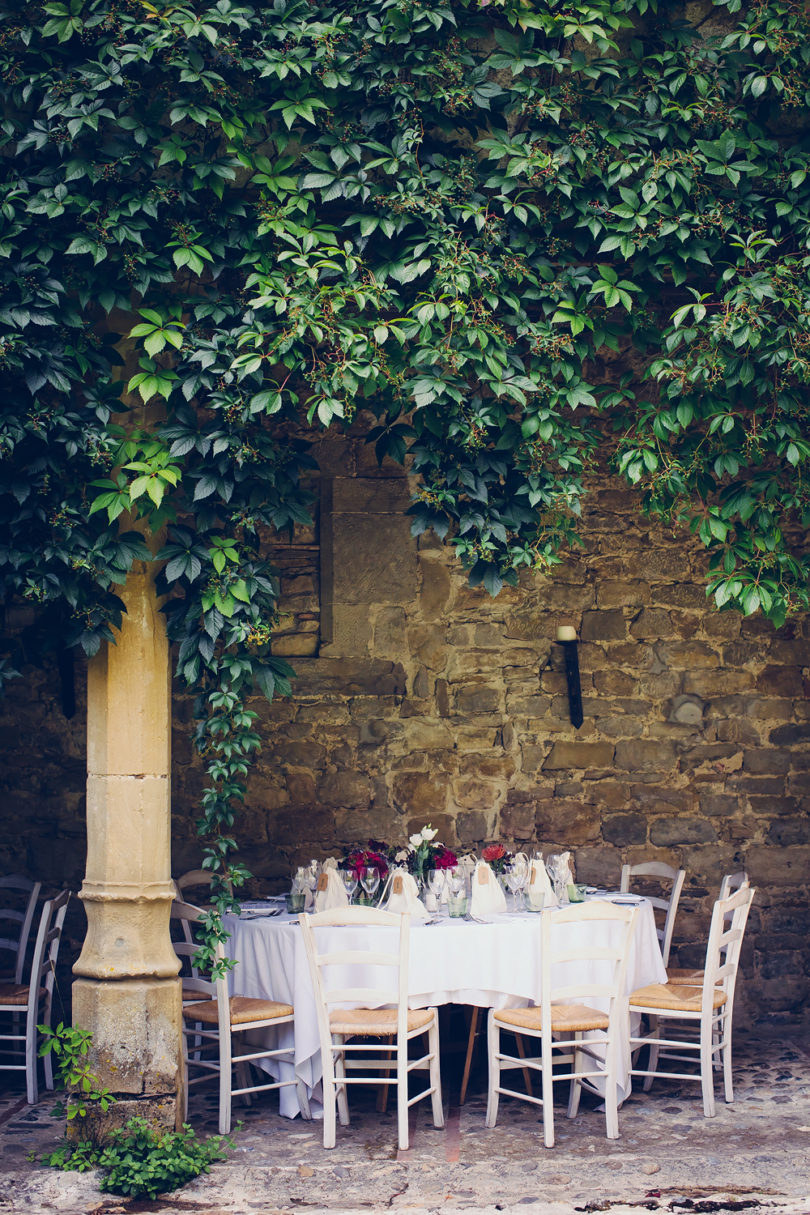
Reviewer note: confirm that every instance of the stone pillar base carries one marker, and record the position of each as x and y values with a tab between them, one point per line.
136	1025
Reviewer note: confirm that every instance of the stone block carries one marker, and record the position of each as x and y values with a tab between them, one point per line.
652	623
420	795
345	789
580	755
619	725
781	681
710	683
606	625
687	655
566	819
622	594
776	866
146	1060
645	755
624	829
516	820
790	831
434	588
477	698
428	644
768	761
426	734
667	832
791	735
373	560
614	683
471	828
718	805
687	710
370	495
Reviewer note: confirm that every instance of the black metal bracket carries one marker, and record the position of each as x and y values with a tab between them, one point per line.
572	679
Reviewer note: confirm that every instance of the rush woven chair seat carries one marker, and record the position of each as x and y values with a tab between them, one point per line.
368	977
213	1019
698	1020
243	1009
582	994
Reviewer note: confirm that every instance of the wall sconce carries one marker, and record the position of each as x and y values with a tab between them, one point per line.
567	638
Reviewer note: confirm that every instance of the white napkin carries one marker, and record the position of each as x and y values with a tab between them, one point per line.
330	891
539	884
330	863
487	896
403	896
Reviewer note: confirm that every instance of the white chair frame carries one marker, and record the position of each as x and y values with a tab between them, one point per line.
711	1013
553	1039
663	873
34	999
209	1050
18	944
340	1051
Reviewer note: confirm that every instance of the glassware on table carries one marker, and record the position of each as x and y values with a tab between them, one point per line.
455	880
295	901
435	886
370	881
576	892
515	880
349	879
457	903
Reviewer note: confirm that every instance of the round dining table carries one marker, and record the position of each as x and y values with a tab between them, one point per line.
493	964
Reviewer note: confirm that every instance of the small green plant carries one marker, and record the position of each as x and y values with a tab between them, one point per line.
144	1161
70	1047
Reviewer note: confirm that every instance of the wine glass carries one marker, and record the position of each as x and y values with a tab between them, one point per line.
455	880
349	879
370	880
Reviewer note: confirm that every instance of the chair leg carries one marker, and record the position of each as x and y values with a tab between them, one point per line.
548	1095
435	1073
382	1091
303	1099
340	1085
707	1071
611	1101
652	1062
493	1067
576	1085
402	1094
728	1086
32	1091
329	1128
225	1084
468	1058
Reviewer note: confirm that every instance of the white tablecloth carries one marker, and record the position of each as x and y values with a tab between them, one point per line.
451	962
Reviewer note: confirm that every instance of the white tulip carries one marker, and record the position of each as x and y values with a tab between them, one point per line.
415	840
428	833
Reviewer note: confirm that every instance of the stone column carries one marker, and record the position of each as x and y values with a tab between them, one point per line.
126	990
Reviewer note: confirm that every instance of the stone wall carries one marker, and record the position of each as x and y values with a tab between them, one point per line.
420	700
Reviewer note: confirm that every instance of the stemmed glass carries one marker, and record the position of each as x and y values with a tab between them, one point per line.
370	880
349	879
516	875
455	880
435	881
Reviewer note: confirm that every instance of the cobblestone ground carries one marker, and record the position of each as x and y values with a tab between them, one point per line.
753	1157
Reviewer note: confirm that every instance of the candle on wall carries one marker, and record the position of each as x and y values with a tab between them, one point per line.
567	637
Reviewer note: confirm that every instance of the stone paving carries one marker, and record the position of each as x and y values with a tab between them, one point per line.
753	1157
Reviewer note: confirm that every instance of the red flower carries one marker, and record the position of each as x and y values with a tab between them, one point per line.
445	858
493	852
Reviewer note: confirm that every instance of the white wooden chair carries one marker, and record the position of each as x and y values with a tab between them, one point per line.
708	1008
561	1019
693	976
18	904
375	982
211	1023
34	1000
667	906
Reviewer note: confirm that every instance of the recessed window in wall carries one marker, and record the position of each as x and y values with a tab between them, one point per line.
297	561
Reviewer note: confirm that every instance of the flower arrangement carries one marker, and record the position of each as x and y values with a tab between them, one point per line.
497	857
376	854
423	854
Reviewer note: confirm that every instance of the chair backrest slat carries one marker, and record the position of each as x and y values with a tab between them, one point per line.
558	959
663	873
25	891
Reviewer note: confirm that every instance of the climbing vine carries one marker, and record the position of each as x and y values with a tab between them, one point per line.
509	233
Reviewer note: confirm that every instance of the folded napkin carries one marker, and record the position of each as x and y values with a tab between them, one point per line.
487	896
403	895
330	891
539	883
330	863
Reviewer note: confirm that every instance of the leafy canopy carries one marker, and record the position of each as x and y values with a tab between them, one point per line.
511	232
